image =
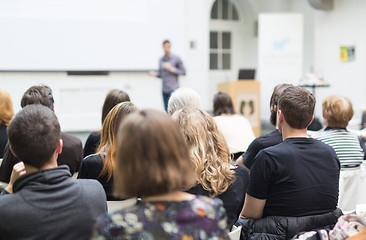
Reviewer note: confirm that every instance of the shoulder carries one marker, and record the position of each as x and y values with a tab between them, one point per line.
91	166
319	143
109	226
207	203
114	225
266	156
91	187
212	208
11	205
93	159
241	171
94	136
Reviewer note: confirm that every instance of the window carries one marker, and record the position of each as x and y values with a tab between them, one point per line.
220	50
220	42
224	10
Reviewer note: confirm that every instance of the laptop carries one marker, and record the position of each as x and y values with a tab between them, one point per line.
246	74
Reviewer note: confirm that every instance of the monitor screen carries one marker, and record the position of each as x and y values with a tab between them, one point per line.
246	74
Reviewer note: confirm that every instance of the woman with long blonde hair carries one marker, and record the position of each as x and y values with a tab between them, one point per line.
6	114
215	177
100	165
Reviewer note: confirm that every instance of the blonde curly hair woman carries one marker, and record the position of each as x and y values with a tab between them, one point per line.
215	177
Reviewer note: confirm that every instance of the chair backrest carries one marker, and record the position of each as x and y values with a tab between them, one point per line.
118	205
235	234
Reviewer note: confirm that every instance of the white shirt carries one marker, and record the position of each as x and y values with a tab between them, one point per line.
237	131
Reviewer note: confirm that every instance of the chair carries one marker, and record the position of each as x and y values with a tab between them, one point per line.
235	233
114	206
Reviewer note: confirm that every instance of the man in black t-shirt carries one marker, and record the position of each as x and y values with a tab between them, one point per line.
298	177
271	139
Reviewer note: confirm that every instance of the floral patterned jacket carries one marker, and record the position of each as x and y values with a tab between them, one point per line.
200	218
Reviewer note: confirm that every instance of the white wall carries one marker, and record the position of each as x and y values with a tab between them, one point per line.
197	64
324	33
342	26
79	99
88	34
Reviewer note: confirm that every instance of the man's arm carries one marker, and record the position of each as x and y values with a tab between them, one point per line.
18	170
179	68
253	207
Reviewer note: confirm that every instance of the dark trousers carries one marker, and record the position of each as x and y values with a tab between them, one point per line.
166	97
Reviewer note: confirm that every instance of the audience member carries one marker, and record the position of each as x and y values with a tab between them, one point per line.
6	114
297	178
72	150
337	112
215	177
100	165
165	212
236	129
270	139
113	97
45	202
183	97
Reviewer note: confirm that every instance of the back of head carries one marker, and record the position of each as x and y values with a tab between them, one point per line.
33	134
208	149
109	133
151	137
297	105
38	95
113	97
6	107
183	97
277	91
337	111
222	104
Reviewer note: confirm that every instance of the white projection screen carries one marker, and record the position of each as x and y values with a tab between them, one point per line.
105	35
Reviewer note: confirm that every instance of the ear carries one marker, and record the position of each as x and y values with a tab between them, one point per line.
171	112
275	108
312	119
11	149
59	146
280	116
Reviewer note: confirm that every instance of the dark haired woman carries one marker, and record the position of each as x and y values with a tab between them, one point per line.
100	166
113	97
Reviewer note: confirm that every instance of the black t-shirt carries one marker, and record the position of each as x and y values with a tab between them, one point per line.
233	198
298	177
260	143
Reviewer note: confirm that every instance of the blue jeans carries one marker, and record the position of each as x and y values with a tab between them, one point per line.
166	97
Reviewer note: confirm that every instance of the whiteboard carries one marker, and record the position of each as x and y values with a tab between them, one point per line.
62	35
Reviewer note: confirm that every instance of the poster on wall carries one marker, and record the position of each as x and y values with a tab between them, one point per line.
347	53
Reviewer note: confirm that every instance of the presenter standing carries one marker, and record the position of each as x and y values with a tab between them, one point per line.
170	67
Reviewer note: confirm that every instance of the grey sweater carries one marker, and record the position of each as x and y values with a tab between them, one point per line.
49	204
